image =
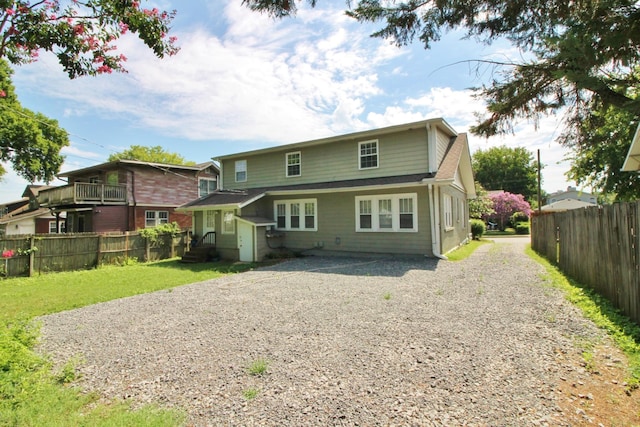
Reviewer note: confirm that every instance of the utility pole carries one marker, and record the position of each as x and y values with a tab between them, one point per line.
539	179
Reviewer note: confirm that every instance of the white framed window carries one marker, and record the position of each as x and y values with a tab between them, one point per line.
387	213
368	154
294	164
206	186
155	218
228	222
241	170
52	227
296	215
447	209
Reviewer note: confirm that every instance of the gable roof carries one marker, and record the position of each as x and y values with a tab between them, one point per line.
566	204
632	162
24	214
438	122
241	198
114	164
458	158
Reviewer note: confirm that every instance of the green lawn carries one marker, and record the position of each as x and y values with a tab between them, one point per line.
465	251
31	393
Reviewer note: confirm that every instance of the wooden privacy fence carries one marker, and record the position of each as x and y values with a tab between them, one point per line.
65	252
597	246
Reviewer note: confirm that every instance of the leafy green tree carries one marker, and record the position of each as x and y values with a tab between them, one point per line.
598	153
30	141
482	205
150	154
579	55
513	170
80	33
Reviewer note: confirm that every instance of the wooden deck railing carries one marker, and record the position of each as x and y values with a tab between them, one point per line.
84	193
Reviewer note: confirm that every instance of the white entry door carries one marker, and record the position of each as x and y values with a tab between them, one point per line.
245	241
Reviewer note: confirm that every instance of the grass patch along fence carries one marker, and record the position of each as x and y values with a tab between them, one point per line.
31	393
623	330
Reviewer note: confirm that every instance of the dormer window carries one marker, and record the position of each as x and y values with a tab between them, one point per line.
368	154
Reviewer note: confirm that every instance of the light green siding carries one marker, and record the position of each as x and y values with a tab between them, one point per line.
453	237
337	226
441	146
401	153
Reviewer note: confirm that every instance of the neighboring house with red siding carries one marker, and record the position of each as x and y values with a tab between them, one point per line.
25	216
126	195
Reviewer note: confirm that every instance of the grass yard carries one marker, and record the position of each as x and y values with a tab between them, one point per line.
465	251
31	393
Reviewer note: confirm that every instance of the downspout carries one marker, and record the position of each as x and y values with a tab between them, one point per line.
435	225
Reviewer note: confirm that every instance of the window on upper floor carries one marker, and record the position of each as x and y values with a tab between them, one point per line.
155	218
112	178
368	154
392	212
206	186
296	215
241	170
294	164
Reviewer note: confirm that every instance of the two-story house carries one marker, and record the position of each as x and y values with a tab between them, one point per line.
126	195
400	189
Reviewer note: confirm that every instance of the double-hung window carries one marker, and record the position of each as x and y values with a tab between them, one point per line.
391	213
294	164
206	186
448	211
241	170
155	218
296	215
368	154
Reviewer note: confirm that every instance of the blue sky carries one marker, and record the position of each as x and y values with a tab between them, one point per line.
244	81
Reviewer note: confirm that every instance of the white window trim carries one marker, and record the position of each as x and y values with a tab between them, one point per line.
52	227
377	154
156	218
447	211
225	216
244	169
286	166
209	180
301	202
395	213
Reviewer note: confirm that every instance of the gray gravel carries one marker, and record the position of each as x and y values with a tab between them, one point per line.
349	341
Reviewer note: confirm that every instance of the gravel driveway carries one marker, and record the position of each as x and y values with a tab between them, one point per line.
349	341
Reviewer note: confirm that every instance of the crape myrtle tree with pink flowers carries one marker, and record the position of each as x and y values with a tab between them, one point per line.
505	205
82	35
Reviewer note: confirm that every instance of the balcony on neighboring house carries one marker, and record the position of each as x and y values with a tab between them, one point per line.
82	193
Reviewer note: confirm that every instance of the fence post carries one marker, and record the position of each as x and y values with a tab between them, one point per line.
32	255
147	249
98	258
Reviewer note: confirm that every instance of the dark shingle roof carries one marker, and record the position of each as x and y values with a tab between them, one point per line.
241	197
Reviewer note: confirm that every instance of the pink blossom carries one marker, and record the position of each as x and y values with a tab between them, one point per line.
135	4
3	94
78	29
104	69
123	58
9	11
7	253
123	28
